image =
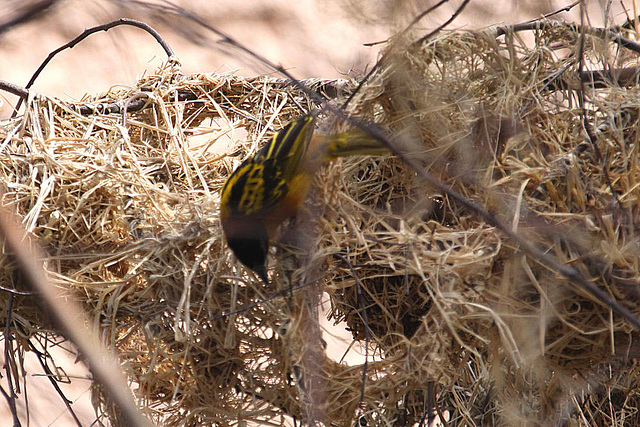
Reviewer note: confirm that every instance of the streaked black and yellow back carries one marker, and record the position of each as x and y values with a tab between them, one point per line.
262	181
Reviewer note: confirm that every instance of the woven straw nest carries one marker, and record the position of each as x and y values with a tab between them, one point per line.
459	323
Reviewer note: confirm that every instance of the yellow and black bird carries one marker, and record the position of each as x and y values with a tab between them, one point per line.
270	186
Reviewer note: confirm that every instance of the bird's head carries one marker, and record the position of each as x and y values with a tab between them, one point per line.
250	245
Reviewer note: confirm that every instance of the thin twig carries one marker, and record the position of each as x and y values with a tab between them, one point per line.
566	8
15	291
452	18
127	105
5	394
413	22
429	414
14	89
86	33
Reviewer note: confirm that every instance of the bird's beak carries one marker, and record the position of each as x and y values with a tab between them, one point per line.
262	273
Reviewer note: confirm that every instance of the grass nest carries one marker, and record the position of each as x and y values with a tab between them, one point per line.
458	324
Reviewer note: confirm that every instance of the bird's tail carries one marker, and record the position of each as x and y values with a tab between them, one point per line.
354	142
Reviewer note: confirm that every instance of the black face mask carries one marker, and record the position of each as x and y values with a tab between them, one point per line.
252	252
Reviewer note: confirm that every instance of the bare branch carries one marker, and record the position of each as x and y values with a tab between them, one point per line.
50	375
86	33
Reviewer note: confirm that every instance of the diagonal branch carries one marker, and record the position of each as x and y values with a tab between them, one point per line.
68	316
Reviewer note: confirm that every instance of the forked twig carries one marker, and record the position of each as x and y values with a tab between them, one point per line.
50	375
413	22
379	62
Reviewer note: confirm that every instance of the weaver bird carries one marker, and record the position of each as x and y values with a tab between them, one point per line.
270	186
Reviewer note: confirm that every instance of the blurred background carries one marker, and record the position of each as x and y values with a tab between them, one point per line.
310	38
322	39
